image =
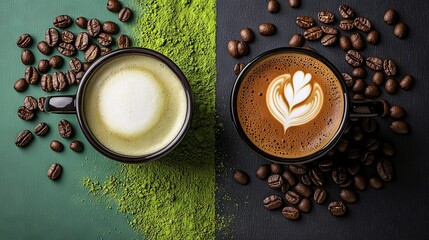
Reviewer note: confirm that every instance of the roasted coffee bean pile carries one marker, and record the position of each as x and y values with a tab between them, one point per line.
360	158
95	40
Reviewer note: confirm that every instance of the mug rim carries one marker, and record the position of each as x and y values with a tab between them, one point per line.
234	113
122	157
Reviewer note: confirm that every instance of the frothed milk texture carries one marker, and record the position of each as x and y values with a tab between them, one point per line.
290	105
135	105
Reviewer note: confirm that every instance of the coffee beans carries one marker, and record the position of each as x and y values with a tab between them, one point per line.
275	181
30	103
41	129
55	171
25	114
328	40
233	48
305	205
43	66
359	182
346	25
240	177
125	14
378	78
374	63
316	177
104	39
345	43
46	83
290	213
326	17
56	61
297	40
82	41
31	75
65	128
372	91
304	22
346	12
337	208
313	33
391	86
400	30
298	169
385	170
58	81
124	41
94	27
62	21
399	127
276	168
397	112
110	27
273	202
44	48
373	37
75	65
52	37
294	3
92	53
76	146
67	36
354	58
114	5
70	77
320	195
362	24
267	29
348	195
20	85
273	6
24	40
376	182
391	16
329	30
289	177
247	35
24	138
27	57
359	72
357	41
66	49
238	67
56	146
243	49
406	82
81	22
303	190
390	67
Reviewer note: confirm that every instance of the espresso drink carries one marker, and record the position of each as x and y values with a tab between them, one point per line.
290	105
134	105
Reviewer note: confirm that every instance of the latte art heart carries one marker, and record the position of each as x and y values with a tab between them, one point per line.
294	101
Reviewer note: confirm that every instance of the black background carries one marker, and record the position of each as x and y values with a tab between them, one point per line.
400	210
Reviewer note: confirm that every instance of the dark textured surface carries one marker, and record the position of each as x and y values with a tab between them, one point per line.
400	210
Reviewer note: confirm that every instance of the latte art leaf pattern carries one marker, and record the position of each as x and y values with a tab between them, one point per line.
294	101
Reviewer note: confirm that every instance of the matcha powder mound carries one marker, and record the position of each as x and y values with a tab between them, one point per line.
174	197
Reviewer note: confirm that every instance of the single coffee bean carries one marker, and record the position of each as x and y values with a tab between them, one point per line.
305	205
56	61
76	146
243	49
376	182
273	6
292	197
354	58
267	29
276	168
70	77
272	202
104	51
81	22
79	76
43	66
372	144
247	35
294	3
240	176
285	187
24	40
233	48
320	195
348	195
25	114
104	39
359	182
123	41
397	112
31	75
400	30
65	128
328	40
62	21
353	167
388	149
313	33
374	63
353	153
82	41
41	104
275	181
369	124
66	49
263	171
125	14
41	129
357	41
94	27
406	82
110	27
359	86
75	65
24	138
303	190
309	48
238	67
27	57
114	5
357	134
306	179
346	12
342	145
339	175
391	86
59	82
290	213
399	127
67	36
297	40
362	24
326	165
316	177
385	169
373	37
359	72
54	171
52	37
46	83
30	103
304	22
372	91
326	17
346	25
329	30
92	53
390	67
337	208
298	169
44	48
348	79
378	78
391	16
20	85
289	177
345	43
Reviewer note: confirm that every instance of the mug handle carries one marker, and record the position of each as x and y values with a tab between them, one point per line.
368	108
61	104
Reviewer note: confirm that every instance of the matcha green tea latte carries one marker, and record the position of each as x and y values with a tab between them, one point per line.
173	198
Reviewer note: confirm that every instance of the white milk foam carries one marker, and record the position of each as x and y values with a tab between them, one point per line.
135	105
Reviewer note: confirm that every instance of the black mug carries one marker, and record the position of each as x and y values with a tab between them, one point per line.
262	107
158	66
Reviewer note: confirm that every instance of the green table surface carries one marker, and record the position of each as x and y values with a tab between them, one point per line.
31	205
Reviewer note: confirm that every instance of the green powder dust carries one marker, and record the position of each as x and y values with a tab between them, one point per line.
174	197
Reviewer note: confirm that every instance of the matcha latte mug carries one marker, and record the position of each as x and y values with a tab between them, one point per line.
133	105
